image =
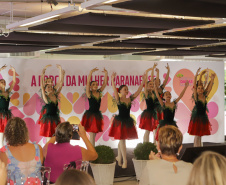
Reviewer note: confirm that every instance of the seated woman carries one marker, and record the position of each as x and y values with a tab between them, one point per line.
23	158
208	169
165	168
73	176
3	173
61	153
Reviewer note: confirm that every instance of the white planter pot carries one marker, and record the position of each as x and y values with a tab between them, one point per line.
103	173
139	165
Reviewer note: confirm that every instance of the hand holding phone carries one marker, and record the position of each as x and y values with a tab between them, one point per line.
75	134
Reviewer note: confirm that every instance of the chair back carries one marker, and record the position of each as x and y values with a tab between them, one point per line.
78	165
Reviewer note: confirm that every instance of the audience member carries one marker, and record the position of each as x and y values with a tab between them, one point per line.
73	176
61	153
3	173
23	159
164	168
208	169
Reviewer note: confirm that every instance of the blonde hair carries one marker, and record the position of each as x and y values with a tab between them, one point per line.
208	169
170	140
73	176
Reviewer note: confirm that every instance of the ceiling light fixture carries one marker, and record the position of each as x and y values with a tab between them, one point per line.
93	3
41	18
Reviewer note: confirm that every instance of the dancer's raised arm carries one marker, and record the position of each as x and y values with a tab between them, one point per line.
146	81
182	92
114	87
195	84
157	94
140	87
58	84
3	67
43	75
167	76
201	74
61	82
210	85
88	82
14	79
105	80
43	88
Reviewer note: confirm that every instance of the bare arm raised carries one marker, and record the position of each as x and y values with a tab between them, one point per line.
140	87
88	82
182	92
105	80
114	87
14	79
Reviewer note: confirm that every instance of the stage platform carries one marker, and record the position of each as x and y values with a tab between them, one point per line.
130	172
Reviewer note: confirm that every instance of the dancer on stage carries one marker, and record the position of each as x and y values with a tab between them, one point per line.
160	89
50	113
149	120
92	119
50	80
169	107
5	112
199	124
123	126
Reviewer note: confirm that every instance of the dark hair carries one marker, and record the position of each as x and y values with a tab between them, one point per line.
73	176
64	132
120	88
92	82
170	139
16	132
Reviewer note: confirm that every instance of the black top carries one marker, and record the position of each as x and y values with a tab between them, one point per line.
124	110
4	102
94	103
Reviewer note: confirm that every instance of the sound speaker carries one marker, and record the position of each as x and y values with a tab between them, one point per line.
190	154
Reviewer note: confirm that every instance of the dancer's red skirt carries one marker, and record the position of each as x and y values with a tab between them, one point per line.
3	122
47	126
160	115
198	128
123	129
93	122
148	121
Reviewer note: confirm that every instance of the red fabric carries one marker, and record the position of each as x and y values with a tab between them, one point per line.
92	124
147	123
160	116
121	132
47	129
3	122
198	128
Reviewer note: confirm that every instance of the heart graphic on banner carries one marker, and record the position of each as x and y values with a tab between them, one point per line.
15	102
215	84
33	130
79	105
72	97
26	97
104	103
112	105
15	95
65	105
179	82
75	97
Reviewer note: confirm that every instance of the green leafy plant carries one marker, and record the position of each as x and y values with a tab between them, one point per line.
105	155
142	150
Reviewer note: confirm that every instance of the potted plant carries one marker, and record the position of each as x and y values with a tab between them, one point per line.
141	156
104	166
